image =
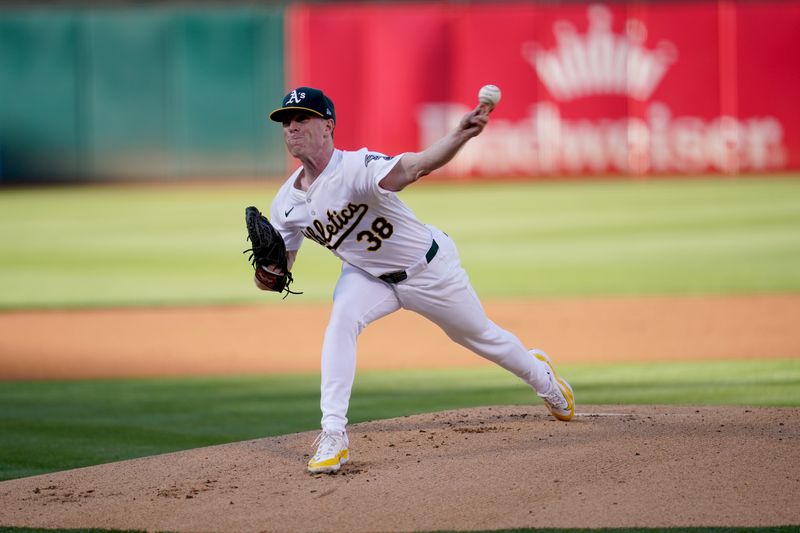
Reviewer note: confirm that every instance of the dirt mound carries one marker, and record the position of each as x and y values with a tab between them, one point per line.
488	468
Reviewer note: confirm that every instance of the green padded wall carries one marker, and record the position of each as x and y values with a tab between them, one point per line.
39	104
140	93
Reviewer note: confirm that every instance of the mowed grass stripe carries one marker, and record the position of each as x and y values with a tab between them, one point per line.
100	246
650	237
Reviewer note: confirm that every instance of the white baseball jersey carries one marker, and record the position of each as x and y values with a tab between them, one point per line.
346	211
374	233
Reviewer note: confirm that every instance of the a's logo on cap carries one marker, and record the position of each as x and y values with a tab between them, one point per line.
294	97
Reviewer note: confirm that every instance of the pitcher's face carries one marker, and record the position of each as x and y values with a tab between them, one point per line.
306	135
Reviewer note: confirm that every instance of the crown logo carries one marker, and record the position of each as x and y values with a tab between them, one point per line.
600	61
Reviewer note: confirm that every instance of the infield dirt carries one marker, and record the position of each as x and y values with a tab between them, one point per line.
488	468
287	337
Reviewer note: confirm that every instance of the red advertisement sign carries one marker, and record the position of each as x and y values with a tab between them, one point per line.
645	88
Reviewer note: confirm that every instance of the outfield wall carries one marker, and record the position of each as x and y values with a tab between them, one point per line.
171	92
139	92
639	88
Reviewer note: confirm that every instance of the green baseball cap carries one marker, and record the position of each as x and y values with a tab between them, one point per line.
305	99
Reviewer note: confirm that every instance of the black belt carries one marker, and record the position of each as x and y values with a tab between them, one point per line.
400	275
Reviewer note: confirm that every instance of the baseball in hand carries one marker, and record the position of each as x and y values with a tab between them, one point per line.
489	95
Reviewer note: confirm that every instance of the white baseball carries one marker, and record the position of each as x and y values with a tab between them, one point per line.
489	95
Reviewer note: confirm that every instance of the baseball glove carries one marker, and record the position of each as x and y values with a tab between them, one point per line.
268	254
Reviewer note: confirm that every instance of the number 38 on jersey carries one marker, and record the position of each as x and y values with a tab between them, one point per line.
381	229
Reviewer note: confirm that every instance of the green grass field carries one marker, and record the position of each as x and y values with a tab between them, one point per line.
97	246
132	246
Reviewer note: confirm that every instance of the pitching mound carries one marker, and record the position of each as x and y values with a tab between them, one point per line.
488	468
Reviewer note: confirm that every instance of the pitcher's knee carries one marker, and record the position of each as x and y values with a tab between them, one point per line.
473	336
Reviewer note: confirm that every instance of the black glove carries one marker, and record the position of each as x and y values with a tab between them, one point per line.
268	254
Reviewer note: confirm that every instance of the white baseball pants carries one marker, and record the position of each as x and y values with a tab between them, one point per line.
443	294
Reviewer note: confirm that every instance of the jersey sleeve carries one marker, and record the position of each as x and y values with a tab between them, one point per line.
376	166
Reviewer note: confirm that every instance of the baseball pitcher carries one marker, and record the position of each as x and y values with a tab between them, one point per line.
347	202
